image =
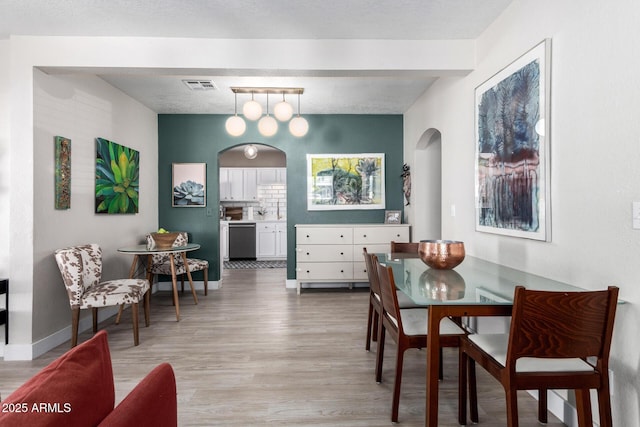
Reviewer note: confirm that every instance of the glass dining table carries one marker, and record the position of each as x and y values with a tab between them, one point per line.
143	250
474	288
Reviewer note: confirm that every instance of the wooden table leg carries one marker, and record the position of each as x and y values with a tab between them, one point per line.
186	267
433	363
175	285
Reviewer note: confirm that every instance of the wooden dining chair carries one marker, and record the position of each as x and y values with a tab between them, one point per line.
375	300
557	340
404	247
407	327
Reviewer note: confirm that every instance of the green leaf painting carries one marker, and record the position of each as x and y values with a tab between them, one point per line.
117	178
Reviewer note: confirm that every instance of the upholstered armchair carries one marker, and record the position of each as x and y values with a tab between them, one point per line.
161	263
81	270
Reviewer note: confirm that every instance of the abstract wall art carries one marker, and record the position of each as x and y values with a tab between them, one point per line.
512	148
117	178
345	181
62	173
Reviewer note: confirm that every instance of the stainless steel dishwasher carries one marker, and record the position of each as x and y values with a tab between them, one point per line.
242	240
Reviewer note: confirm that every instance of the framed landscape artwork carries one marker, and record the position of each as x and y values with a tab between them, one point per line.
512	148
345	181
189	185
117	178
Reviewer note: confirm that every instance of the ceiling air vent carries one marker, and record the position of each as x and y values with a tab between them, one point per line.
200	84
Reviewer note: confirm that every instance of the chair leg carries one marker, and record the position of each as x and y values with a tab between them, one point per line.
512	405
542	406
75	319
206	281
94	312
119	315
462	387
374	333
380	351
134	311
604	405
583	407
147	298
441	366
397	384
367	345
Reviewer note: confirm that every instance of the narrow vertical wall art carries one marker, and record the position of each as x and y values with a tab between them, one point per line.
62	173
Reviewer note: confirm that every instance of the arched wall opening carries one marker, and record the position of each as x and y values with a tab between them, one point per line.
427	186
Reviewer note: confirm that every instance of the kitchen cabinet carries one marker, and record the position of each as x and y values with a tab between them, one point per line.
328	253
268	176
238	184
271	240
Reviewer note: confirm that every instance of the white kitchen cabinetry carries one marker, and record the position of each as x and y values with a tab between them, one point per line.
327	253
268	176
238	184
271	240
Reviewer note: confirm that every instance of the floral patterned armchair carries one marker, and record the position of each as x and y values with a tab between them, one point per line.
161	263
81	270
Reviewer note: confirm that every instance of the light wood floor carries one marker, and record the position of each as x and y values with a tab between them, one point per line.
254	353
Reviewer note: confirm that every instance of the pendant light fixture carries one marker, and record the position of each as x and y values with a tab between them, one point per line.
252	110
283	110
251	151
267	126
235	125
298	126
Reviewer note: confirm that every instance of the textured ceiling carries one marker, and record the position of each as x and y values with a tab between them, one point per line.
255	19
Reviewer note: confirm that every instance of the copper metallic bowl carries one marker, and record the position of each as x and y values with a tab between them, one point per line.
441	254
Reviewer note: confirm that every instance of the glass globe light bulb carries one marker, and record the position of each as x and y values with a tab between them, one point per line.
298	126
252	110
268	126
283	111
235	126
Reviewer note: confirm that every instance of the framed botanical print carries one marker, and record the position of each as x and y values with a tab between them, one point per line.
188	183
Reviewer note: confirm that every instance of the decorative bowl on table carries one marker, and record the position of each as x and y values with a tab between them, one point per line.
441	254
164	240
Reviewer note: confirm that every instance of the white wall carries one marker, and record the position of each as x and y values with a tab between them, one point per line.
4	170
595	152
80	108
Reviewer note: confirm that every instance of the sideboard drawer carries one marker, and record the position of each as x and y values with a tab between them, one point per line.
324	236
324	253
364	235
329	271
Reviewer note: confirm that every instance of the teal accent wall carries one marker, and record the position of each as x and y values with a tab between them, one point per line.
198	138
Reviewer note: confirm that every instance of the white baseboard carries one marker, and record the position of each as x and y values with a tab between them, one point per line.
40	347
199	285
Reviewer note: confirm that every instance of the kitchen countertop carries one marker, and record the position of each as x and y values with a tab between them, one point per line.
240	221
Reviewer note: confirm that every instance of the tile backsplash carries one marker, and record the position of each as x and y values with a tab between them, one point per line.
271	197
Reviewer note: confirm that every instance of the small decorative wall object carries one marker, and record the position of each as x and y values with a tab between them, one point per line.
63	173
392	217
406	183
345	181
512	148
189	185
117	178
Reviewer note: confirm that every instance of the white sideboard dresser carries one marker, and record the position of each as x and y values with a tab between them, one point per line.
332	253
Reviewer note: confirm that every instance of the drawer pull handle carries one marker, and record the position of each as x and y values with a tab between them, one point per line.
364	235
307	253
308	271
341	253
307	236
341	271
341	236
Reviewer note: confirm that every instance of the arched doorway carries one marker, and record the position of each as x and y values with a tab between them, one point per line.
253	193
427	186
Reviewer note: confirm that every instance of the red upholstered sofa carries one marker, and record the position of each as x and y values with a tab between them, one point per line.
77	389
